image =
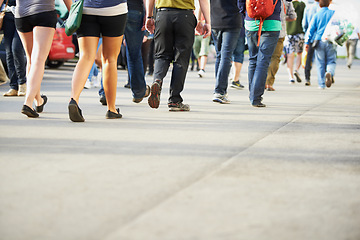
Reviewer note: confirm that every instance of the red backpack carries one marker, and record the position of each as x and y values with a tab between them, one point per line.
260	10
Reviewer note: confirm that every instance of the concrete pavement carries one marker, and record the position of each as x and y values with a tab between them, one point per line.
287	171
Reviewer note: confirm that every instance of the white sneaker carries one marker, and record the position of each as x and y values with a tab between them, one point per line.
201	73
221	98
97	81
87	84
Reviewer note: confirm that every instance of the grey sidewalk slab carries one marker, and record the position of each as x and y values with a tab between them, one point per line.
290	170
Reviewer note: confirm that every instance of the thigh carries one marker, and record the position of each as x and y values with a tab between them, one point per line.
163	36
89	27
111	48
42	39
88	47
184	30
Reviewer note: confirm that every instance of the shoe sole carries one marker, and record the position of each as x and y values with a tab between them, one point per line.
236	87
178	110
74	114
220	101
328	80
154	99
297	76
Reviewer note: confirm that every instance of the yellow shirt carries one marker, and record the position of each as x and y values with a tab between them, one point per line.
182	4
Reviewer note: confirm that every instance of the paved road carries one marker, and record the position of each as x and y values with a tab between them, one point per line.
218	172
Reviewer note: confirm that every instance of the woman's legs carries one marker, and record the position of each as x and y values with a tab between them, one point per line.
110	52
87	49
37	46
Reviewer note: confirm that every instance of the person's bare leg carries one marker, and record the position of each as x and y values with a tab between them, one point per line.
87	49
41	39
202	62
298	61
290	65
237	71
111	50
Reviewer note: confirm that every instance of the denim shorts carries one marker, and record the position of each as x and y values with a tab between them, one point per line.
105	26
44	19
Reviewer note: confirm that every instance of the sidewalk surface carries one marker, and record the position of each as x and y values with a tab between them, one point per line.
219	172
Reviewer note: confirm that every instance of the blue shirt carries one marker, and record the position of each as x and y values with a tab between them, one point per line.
318	24
309	14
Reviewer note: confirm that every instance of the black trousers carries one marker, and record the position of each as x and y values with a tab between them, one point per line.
309	60
174	38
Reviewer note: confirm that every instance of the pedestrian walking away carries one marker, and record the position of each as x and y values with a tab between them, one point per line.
104	19
174	38
36	28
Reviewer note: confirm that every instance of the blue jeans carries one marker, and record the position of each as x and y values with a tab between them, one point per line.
134	38
225	41
238	55
259	60
325	54
15	54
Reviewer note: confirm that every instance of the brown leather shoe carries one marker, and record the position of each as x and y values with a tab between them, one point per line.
11	93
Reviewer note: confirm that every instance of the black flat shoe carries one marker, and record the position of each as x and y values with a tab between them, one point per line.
29	112
112	115
40	108
75	113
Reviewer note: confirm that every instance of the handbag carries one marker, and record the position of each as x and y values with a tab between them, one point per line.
74	20
2	15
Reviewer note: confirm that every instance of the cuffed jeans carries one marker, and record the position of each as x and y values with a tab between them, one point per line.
259	60
325	55
225	41
134	37
15	55
174	38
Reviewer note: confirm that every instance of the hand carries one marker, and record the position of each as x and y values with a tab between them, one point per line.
150	25
306	47
206	30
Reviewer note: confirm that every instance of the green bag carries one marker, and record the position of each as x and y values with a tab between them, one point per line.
74	20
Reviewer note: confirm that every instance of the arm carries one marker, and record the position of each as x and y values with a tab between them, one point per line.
290	12
205	9
1	2
150	23
310	33
67	3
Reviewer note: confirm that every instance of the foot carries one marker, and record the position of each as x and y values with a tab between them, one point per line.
75	113
113	115
178	107
11	93
297	76
22	90
103	100
155	90
236	85
147	93
259	105
40	108
270	88
292	81
328	79
201	73
221	98
28	111
307	82
127	85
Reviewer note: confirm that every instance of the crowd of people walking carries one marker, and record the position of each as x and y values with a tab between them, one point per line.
178	29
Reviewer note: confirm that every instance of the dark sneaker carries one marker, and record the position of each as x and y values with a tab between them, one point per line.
155	90
40	108
259	105
75	113
178	107
127	85
28	111
236	85
103	100
307	82
297	76
112	115
147	93
328	79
